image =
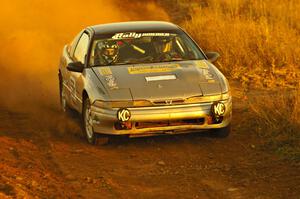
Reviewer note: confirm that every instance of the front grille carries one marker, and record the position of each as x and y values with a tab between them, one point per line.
168	102
141	125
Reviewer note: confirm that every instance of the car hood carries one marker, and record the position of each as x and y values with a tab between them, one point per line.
169	80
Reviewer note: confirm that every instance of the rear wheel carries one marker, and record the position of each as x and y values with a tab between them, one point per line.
63	102
222	132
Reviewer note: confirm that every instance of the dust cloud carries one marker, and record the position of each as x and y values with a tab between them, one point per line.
32	35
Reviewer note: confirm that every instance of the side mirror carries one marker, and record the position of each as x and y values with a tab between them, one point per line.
75	67
212	56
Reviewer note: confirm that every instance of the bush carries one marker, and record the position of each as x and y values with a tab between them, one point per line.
276	118
259	41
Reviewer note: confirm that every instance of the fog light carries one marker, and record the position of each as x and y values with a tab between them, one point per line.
210	120
123	125
128	125
218	110
123	115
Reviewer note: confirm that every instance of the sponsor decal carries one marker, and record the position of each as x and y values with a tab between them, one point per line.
135	35
211	81
109	78
160	78
72	86
123	115
201	64
105	71
207	74
152	69
111	82
219	109
203	67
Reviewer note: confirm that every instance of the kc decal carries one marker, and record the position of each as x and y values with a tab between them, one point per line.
123	115
219	109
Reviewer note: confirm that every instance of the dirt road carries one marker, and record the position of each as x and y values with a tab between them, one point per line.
45	156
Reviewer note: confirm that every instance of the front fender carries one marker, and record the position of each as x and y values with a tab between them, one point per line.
93	87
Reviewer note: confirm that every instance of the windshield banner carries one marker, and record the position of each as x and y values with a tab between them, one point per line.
139	35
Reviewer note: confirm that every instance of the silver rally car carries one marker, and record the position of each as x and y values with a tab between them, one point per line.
143	78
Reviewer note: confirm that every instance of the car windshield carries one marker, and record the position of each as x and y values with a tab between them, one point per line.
135	48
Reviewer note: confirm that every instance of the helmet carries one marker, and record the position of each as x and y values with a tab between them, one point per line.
109	51
162	45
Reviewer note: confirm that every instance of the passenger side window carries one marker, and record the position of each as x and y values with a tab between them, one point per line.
81	48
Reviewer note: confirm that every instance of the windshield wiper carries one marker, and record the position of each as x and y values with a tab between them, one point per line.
114	64
152	62
175	60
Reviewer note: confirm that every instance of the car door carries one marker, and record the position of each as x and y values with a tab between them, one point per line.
76	79
64	73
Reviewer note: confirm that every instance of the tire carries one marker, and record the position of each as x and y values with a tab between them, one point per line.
87	122
63	102
222	132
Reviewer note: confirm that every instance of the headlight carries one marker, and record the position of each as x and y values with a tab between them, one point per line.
199	99
122	104
223	81
226	96
113	104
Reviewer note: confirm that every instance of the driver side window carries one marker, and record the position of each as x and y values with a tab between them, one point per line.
81	48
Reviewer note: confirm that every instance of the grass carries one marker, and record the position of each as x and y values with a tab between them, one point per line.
259	43
259	40
275	118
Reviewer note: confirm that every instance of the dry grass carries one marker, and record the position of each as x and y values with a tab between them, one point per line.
275	117
259	40
259	43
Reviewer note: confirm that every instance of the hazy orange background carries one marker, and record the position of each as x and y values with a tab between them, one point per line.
33	33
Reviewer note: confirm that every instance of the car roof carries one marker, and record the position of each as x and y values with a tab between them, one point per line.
134	26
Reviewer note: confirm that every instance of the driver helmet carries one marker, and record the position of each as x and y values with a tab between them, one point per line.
162	45
109	51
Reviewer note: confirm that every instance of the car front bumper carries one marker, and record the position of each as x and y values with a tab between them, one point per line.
104	120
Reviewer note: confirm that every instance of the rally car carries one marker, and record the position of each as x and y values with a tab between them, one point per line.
143	78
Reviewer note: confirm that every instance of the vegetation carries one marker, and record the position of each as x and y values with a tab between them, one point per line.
275	118
259	40
259	43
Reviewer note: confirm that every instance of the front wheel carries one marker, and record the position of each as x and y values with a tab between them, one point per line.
88	122
91	136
